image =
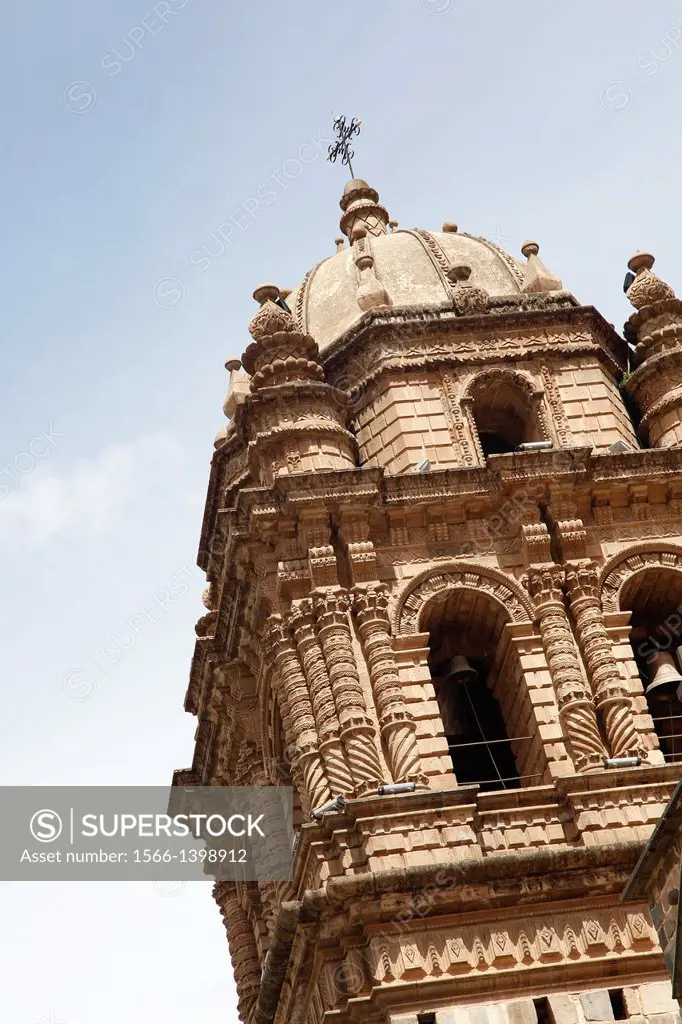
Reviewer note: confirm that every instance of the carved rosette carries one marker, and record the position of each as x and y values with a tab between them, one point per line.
576	707
609	688
398	728
302	621
357	729
294	689
242	945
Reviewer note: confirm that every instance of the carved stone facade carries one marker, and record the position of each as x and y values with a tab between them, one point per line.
437	588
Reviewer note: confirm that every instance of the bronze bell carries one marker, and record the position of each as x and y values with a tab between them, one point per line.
460	671
665	678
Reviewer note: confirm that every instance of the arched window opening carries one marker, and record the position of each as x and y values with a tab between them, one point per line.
655	599
503	416
464	634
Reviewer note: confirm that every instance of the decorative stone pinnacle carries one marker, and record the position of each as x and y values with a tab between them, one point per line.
339	242
237	389
537	277
641	261
270	319
265	292
646	288
449	227
360	204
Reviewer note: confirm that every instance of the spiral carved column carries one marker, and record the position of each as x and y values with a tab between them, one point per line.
610	690
324	709
576	706
398	728
294	690
290	746
242	945
357	729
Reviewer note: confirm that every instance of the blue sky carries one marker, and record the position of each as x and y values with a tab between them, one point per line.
130	136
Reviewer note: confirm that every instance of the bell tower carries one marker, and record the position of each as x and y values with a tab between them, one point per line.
444	607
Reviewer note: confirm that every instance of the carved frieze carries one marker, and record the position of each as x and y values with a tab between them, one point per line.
405	954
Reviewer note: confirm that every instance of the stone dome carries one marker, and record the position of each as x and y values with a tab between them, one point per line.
401	268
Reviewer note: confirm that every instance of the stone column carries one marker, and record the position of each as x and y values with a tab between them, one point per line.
357	729
294	691
302	621
398	728
242	945
576	706
610	689
290	746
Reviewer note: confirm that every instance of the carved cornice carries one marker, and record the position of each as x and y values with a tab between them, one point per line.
411	333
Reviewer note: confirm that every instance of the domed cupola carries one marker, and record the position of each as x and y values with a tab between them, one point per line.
384	266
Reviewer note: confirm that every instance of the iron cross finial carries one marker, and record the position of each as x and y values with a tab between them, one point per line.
343	147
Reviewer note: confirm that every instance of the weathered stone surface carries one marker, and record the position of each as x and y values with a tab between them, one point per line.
521	1011
597	1005
632	1002
657	998
563	1008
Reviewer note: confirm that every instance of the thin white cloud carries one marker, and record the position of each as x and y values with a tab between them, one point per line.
89	497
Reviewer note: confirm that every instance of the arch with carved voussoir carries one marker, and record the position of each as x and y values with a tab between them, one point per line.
410	606
618	572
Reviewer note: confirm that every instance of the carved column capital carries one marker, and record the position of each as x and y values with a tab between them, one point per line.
545	585
331	607
371	602
277	639
582	580
302	621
